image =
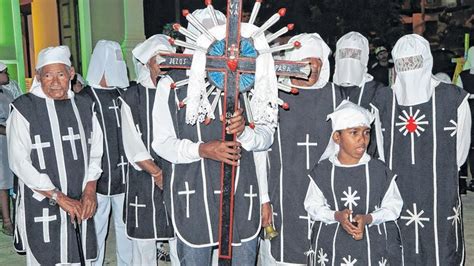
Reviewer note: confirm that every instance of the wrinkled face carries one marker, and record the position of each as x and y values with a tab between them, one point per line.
154	68
315	65
352	142
55	80
4	79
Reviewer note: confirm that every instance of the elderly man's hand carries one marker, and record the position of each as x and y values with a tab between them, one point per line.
266	214
223	151
89	201
158	177
71	206
236	123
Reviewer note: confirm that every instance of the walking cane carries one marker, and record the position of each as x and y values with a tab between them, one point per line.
79	242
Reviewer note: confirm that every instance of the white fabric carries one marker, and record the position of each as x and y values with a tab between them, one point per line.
6	176
264	101
463	135
266	257
352	57
107	60
443	77
203	16
53	55
2	66
346	115
260	158
133	145
144	252
469	63
312	45
413	64
101	221
317	207
13	88
19	143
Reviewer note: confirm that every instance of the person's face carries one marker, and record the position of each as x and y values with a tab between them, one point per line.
315	65
55	80
353	143
4	79
382	56
154	68
245	16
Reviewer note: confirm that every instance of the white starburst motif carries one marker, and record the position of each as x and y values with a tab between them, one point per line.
415	217
350	199
456	220
453	128
322	257
311	255
348	261
411	123
383	262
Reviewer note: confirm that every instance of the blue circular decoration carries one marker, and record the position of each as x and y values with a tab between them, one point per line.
246	80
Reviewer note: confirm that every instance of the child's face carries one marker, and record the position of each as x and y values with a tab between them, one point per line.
353	143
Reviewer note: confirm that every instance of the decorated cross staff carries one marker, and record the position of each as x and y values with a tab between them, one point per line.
231	66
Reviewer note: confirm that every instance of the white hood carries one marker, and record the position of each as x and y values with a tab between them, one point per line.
352	57
413	64
312	45
107	59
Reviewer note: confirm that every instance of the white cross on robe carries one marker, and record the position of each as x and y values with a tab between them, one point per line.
307	144
39	146
122	165
136	205
415	217
350	199
187	192
71	137
453	128
45	219
250	195
115	108
310	224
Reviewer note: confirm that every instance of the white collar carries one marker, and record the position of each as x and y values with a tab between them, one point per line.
364	160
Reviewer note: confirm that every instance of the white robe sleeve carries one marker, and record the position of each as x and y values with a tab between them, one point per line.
19	149
260	158
133	145
463	135
97	149
390	207
165	143
316	205
258	139
459	82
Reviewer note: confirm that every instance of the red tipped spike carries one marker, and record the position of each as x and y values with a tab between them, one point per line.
176	27
171	41
282	12
173	86
181	104
290	26
297	44
285	106
207	121
252	125
208	2
294	91
185	12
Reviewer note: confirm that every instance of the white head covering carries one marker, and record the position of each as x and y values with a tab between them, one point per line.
346	115
413	64
107	59
2	66
443	77
469	64
312	45
352	57
48	56
144	51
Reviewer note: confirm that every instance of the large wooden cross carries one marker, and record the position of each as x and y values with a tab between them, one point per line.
232	64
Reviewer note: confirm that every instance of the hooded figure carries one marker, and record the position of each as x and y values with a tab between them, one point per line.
295	152
55	149
350	73
106	75
366	188
8	84
426	133
194	182
149	222
466	81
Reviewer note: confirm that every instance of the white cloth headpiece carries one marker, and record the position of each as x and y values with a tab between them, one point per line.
443	77
47	56
2	66
352	57
347	115
413	64
264	101
107	59
142	53
312	45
